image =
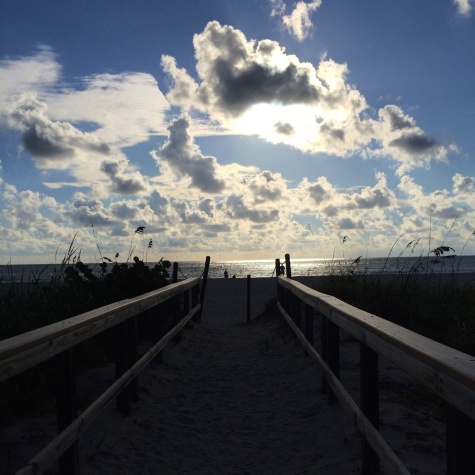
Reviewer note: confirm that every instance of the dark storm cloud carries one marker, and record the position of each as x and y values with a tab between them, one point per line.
182	154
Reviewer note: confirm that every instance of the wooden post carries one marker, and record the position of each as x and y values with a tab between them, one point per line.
460	442
324	343
248	299
296	310
121	364
369	387
132	355
309	323
186	302
277	267
175	301
158	329
203	286
288	270
333	354
66	408
195	299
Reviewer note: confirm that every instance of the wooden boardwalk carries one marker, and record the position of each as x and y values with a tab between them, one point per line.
228	398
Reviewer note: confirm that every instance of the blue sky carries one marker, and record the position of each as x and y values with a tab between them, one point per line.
237	129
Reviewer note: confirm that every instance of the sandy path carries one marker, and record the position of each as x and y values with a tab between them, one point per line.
228	398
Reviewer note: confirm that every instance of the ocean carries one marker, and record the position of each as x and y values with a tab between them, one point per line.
265	268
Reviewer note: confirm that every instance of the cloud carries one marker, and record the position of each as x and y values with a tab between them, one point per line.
464	7
266	187
463	184
235	75
278	7
405	142
255	88
50	142
35	74
238	210
181	154
298	23
122	183
125	108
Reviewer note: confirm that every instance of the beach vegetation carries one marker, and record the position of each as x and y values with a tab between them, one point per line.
75	287
426	294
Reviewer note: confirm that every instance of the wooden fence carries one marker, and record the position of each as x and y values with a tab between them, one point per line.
58	341
447	372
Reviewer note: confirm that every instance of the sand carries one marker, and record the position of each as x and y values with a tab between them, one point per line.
237	398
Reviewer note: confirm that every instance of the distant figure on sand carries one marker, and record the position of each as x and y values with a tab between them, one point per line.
225	274
282	269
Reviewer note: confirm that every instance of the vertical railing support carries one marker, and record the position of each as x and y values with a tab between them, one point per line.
277	267
122	364
132	355
288	270
333	354
369	387
175	301
203	286
460	442
296	310
248	313
309	323
66	408
186	302
195	298
158	329
324	343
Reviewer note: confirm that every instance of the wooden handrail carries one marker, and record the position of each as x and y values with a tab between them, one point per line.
44	459
448	372
24	351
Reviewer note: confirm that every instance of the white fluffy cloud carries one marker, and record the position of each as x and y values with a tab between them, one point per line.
254	87
124	108
299	23
464	7
181	154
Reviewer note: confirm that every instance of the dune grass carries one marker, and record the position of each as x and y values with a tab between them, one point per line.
429	296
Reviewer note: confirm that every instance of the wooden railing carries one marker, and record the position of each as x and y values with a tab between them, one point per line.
59	340
447	372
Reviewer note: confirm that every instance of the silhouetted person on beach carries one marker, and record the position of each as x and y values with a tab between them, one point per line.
282	269
225	274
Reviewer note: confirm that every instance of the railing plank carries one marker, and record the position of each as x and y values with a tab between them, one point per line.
448	372
374	438
21	352
44	459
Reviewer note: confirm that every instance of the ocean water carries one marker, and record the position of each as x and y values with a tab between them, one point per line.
265	268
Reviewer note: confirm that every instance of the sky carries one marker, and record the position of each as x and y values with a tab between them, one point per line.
239	129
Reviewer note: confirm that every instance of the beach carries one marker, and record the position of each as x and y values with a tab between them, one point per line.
231	397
